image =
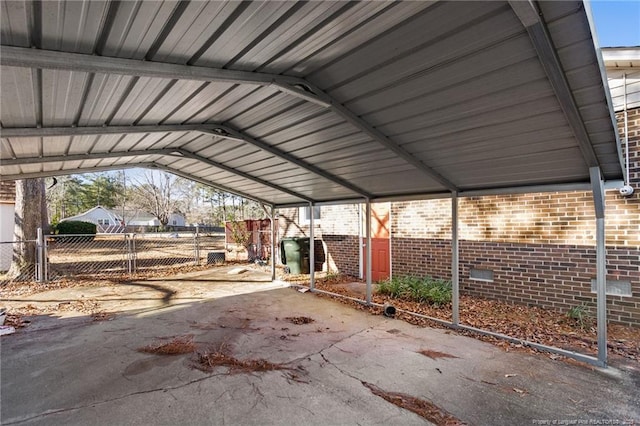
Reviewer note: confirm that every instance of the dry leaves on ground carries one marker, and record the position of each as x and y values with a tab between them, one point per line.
300	320
530	323
421	407
435	354
26	288
208	361
177	346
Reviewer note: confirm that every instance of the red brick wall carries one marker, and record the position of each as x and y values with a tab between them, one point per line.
541	247
338	231
551	276
342	252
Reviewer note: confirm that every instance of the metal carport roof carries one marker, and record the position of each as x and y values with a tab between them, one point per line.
295	102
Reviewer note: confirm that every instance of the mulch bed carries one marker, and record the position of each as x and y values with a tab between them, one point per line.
530	323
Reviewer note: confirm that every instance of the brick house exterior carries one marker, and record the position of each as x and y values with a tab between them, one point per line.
540	248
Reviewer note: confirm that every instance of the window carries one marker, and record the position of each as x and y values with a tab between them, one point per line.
104	222
305	217
481	274
614	287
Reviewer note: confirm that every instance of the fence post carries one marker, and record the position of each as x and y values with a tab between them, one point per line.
45	262
127	239
134	254
39	257
196	244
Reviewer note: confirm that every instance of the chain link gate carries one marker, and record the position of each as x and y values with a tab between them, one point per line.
108	255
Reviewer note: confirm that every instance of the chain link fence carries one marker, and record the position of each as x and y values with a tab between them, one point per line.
80	256
26	271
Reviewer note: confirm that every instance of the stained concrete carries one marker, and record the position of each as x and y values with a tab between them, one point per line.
72	370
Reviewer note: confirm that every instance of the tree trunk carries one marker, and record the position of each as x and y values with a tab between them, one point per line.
29	215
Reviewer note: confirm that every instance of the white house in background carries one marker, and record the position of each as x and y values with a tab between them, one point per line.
109	220
140	218
105	220
176	219
7	212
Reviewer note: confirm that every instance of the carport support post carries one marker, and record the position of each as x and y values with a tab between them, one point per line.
312	250
368	261
196	245
455	266
40	256
273	243
597	185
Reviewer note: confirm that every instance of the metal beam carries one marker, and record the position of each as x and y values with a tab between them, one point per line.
184	154
34	175
49	59
43	132
312	248
376	135
597	185
235	133
221	166
206	182
531	18
214	129
601	262
83	157
455	262
272	213
601	57
368	269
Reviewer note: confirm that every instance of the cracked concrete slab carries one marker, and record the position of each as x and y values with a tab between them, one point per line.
71	370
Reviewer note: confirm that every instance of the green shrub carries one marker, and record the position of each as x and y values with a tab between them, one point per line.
580	315
418	289
86	231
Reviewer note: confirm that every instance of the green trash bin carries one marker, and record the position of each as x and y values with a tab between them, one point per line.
294	253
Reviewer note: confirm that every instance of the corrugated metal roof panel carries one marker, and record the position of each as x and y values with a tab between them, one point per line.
19	102
405	88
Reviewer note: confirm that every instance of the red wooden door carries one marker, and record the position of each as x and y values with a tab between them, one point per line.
380	242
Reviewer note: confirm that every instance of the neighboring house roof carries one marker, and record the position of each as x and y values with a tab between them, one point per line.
623	75
135	215
8	192
93	214
131	217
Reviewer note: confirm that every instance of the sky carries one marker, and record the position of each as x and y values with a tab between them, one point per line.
617	22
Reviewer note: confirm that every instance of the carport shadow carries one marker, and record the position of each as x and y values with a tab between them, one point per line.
183	279
167	293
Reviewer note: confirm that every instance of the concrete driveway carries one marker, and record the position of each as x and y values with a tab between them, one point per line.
73	370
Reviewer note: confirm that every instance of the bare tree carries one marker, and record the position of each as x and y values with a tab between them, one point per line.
30	214
162	194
